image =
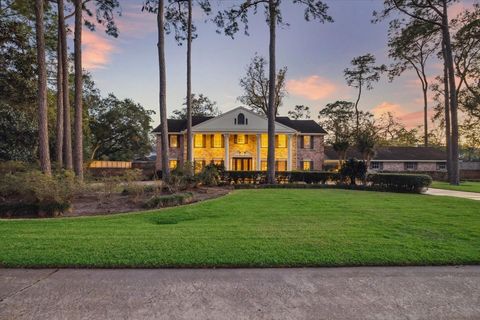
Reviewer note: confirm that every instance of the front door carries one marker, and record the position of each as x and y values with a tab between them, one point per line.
242	164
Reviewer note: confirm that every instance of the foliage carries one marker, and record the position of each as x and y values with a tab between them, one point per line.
210	175
366	140
395	182
255	86
300	112
168	200
338	119
181	178
41	194
391	132
120	129
353	169
202	106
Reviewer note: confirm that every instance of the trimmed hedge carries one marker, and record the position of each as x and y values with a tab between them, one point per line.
260	177
398	182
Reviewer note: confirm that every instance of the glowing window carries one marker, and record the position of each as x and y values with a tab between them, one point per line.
281	165
174	141
263	165
281	140
217	141
264	140
199	141
241	139
307	165
173	164
307	142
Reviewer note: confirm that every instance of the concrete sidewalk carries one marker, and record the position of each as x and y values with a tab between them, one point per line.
453	193
313	293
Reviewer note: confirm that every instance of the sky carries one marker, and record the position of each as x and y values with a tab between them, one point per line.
314	53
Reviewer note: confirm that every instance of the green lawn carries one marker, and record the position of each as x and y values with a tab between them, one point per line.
464	186
281	227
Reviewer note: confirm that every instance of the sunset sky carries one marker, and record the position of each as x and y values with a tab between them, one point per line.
316	55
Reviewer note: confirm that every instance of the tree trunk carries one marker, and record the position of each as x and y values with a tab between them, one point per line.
271	94
44	152
67	126
448	138
59	127
357	114
189	85
425	117
455	174
78	143
163	91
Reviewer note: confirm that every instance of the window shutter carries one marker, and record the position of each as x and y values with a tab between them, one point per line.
312	142
223	141
301	165
246	139
276	141
302	143
212	140
204	136
235	139
311	166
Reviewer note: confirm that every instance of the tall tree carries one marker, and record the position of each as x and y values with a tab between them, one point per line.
44	152
67	126
255	85
60	108
411	46
363	74
78	122
228	21
300	112
434	12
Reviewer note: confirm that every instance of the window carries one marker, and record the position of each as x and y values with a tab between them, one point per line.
307	165
264	140
375	165
240	120
441	166
199	141
199	165
241	139
173	164
409	166
281	141
306	142
281	165
263	165
217	141
173	140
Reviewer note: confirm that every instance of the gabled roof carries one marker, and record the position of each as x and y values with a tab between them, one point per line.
393	153
303	126
284	124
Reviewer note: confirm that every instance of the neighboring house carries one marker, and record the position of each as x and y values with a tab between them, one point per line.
424	159
238	140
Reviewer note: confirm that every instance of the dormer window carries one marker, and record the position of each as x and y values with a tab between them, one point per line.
241	120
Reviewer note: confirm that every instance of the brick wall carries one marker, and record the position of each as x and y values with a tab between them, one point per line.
317	154
173	153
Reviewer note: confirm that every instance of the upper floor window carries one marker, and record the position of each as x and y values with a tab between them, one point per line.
281	141
264	140
199	141
410	166
306	142
241	139
173	140
217	141
241	119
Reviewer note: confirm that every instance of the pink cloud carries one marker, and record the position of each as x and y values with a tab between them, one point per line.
407	118
96	50
313	87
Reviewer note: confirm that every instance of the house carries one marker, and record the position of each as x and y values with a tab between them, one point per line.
423	159
238	140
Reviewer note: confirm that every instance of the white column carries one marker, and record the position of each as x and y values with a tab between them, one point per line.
289	145
226	139
259	152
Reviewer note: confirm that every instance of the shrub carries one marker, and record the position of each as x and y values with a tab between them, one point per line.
314	177
353	169
168	200
32	192
396	182
210	175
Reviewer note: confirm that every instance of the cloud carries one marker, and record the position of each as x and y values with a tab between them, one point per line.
96	50
407	118
313	87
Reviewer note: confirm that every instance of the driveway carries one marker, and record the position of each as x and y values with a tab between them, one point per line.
453	193
311	293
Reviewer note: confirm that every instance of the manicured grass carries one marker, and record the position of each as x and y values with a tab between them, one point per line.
469	186
258	228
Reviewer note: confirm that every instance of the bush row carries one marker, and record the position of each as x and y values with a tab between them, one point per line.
397	182
169	200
